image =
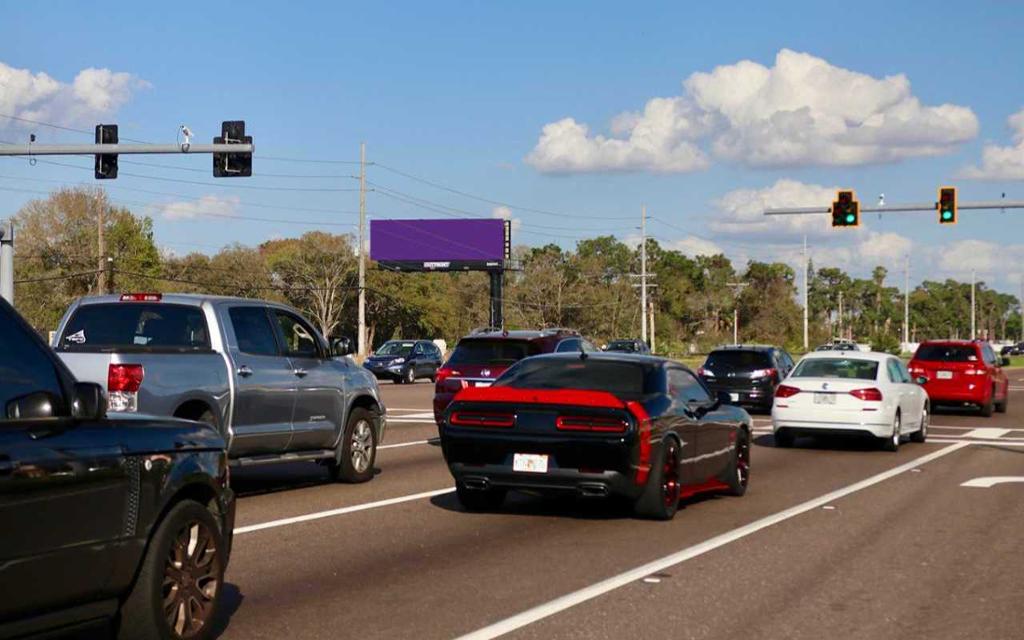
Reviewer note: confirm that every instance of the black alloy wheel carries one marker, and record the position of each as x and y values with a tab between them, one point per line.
177	594
739	469
660	499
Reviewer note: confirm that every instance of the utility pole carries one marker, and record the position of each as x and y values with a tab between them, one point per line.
906	299
841	335
1020	303
362	250
101	248
108	272
974	327
737	288
652	325
807	284
7	262
643	272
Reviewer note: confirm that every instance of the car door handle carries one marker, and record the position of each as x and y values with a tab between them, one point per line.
300	373
244	371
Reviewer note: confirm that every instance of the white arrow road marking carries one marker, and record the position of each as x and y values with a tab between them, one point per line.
991	481
986	432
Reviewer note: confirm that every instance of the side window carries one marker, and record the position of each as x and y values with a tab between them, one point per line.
989	355
299	338
418	350
894	371
685	388
24	366
903	372
253	331
569	344
588	347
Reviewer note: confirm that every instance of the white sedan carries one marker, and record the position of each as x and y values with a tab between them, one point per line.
850	392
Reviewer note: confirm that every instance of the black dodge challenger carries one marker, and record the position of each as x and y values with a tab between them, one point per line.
599	425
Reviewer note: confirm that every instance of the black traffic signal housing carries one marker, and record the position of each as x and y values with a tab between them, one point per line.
232	165
947	205
106	163
845	210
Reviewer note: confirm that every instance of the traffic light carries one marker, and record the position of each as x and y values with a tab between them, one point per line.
232	165
845	210
106	163
947	205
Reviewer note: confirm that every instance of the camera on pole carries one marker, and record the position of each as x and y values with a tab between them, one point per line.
232	165
106	163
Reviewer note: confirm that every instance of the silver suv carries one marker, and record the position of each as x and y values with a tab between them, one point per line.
256	370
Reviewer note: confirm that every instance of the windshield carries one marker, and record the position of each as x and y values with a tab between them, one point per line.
492	352
625	380
131	326
722	361
396	348
947	353
836	368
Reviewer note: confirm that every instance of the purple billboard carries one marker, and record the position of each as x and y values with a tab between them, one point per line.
440	245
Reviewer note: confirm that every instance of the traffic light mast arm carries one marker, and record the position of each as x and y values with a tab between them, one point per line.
120	149
900	208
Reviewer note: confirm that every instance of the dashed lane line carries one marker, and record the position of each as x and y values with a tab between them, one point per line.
986	432
600	588
405	444
319	515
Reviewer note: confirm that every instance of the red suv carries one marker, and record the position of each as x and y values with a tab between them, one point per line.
481	357
963	372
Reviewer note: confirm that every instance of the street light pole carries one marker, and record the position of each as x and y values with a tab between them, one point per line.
643	273
361	338
974	331
807	284
7	262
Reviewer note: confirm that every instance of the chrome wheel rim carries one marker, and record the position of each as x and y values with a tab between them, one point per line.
924	424
191	580
361	446
896	431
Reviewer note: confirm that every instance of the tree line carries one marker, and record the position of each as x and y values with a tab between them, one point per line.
590	288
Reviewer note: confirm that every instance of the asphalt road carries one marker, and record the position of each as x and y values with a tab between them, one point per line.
833	539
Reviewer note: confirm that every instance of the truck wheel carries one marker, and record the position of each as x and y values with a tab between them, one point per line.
178	591
354	458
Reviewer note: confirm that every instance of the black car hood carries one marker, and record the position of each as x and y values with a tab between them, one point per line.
145	433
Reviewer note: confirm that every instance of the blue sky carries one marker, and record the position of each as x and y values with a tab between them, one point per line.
459	93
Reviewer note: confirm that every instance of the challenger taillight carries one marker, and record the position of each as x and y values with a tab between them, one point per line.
870	394
591	423
786	391
123	382
643	420
482	419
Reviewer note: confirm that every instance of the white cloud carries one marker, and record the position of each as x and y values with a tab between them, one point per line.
741	211
801	111
694	246
886	249
506	214
1002	163
93	95
204	207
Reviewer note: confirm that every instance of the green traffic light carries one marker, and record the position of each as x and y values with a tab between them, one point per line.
947	215
850	218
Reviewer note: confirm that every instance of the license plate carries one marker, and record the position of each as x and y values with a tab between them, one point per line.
483	384
735	397
824	398
944	375
530	463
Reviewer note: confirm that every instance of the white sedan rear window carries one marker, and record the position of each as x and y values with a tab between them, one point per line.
837	368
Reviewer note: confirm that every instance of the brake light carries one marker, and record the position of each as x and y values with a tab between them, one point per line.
762	373
123	382
481	419
917	370
141	297
786	391
868	395
643	420
975	372
591	423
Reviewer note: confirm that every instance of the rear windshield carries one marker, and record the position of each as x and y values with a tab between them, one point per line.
625	380
134	326
623	345
396	349
492	352
947	353
836	368
737	361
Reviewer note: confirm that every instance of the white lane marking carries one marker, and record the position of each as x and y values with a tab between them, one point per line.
1002	442
417	409
342	511
588	593
404	420
990	481
418	414
986	432
403	444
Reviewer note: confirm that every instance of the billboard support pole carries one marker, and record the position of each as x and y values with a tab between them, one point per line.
497	315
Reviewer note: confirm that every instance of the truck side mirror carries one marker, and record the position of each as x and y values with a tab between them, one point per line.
340	346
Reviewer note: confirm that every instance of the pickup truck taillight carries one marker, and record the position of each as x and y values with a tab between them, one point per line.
123	382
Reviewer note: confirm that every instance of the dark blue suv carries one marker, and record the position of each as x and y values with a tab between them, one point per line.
404	361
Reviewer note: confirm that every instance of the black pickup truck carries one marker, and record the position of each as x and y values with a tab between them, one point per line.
122	521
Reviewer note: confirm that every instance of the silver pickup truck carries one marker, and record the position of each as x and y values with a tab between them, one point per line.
255	370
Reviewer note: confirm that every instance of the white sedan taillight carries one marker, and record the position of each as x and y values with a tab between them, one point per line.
123	382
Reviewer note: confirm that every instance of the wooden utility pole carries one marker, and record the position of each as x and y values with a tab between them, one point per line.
361	339
101	248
